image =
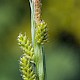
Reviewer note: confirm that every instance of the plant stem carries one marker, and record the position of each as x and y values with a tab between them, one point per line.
38	48
39	61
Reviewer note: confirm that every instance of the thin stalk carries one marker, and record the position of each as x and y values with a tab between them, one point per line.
39	61
32	21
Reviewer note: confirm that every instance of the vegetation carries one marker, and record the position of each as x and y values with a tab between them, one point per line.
32	62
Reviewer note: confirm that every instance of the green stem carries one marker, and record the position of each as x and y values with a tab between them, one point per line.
39	61
39	55
32	21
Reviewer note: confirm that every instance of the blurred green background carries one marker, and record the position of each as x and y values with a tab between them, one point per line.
62	50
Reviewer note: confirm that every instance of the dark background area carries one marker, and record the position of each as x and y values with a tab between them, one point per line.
63	47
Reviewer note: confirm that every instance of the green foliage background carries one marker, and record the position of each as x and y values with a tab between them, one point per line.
62	50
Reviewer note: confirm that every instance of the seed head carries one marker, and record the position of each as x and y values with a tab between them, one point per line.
25	45
41	33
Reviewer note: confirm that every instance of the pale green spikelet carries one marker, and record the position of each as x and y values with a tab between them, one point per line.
41	33
25	45
26	68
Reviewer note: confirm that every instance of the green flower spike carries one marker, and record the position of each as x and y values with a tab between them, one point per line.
26	68
41	33
25	45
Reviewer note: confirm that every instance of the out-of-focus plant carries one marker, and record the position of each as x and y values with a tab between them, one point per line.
32	62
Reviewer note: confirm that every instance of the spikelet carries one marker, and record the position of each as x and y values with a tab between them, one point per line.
26	68
37	5
25	45
41	33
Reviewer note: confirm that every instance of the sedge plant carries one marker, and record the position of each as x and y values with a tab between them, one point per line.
32	61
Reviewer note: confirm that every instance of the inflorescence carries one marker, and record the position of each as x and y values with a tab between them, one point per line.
27	60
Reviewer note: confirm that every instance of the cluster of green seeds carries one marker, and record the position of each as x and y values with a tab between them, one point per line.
27	58
25	45
26	68
41	33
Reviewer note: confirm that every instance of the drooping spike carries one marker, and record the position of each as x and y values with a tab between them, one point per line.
26	68
25	45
